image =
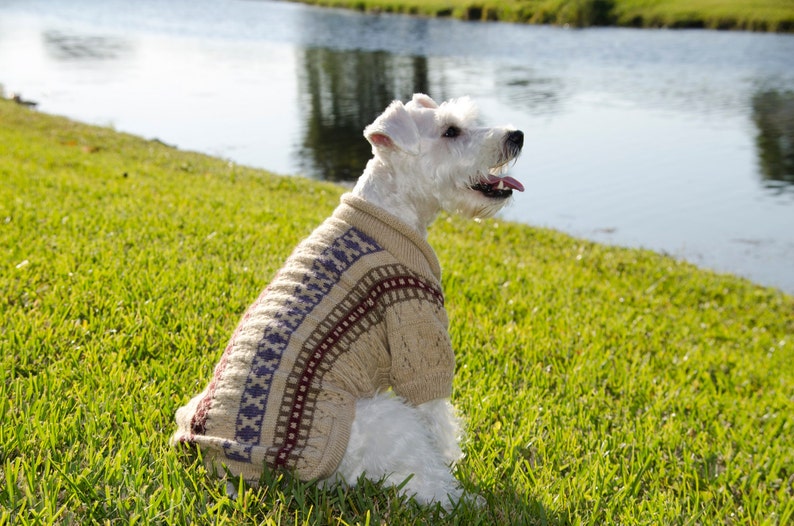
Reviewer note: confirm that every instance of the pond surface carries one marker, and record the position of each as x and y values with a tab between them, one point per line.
678	141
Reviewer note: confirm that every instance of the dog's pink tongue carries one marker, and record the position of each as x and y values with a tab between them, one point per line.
507	181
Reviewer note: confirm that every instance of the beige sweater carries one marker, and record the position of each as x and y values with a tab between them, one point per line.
356	309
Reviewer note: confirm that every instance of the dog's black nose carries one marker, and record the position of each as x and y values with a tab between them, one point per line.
517	138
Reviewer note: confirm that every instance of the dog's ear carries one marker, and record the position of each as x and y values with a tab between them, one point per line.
394	128
420	100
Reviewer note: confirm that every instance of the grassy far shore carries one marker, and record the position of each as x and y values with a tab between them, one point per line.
601	385
756	15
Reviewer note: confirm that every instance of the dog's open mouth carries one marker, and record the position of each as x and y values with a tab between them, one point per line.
497	187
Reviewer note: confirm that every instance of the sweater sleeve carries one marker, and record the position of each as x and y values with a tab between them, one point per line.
422	361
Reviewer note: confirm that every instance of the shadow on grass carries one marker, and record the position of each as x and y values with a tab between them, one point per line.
281	497
509	507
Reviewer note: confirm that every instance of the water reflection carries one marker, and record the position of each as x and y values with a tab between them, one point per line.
77	46
342	92
773	113
525	87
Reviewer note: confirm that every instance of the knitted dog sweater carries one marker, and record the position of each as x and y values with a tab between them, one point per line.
356	309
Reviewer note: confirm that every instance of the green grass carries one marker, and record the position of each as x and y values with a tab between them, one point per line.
602	385
758	15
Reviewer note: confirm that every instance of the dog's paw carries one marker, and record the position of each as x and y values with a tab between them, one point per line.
454	499
231	490
475	500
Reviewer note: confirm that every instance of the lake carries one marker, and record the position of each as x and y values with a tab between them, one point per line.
677	141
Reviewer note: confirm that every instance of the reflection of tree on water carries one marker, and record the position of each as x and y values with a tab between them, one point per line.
342	92
773	113
75	46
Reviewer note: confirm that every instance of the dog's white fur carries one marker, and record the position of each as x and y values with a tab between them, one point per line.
416	172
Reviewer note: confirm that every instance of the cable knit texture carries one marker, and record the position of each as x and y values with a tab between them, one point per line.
356	309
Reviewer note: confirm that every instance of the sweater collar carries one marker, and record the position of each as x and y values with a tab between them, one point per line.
403	241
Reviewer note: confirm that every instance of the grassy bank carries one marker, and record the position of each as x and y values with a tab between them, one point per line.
602	385
756	15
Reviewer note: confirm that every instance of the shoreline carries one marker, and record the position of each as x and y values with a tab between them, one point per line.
772	16
34	115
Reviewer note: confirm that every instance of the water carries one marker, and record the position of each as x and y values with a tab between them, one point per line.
678	141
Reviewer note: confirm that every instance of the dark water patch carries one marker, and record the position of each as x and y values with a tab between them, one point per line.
773	114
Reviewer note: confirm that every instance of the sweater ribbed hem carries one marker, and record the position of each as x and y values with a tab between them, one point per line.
429	387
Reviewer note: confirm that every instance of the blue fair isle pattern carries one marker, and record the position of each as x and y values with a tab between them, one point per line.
326	271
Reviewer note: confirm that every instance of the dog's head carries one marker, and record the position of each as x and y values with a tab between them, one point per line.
438	154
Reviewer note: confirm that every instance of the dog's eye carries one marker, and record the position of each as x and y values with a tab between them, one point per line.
452	132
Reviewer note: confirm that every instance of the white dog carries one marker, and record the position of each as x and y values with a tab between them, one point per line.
343	366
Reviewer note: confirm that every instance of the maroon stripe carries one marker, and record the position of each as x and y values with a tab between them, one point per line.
319	352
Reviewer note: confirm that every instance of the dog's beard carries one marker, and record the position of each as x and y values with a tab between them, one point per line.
475	197
487	191
479	209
